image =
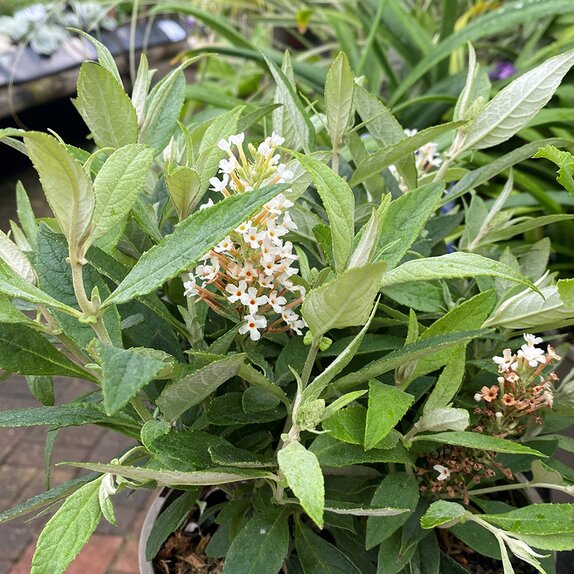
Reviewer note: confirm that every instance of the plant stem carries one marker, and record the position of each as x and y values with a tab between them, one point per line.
79	289
309	362
141	409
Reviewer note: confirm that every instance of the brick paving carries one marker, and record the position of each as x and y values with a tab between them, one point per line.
112	550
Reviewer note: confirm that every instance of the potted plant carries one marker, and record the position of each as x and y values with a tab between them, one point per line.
298	328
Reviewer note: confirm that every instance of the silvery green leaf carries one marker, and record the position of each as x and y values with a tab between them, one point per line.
443	419
339	85
345	301
475	92
184	188
305	478
516	104
368	241
141	87
13	257
529	310
448	382
442	512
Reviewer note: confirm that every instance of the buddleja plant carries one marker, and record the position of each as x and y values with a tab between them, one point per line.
289	315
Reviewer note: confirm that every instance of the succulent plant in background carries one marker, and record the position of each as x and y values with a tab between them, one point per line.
271	300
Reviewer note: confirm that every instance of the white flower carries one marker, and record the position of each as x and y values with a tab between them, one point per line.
444	472
224	145
237	139
275	139
219	185
248	272
286	252
252	325
190	286
224	245
266	282
265	149
532	340
548	397
478	397
410	133
254	237
244	227
275	160
275	232
228	165
278	204
208	272
284	173
276	301
252	300
293	321
237	292
209	203
505	362
532	355
287	222
268	250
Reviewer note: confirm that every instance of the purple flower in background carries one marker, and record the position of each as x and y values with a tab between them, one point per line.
502	70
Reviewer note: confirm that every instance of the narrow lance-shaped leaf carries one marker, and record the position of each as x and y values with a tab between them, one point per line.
339	98
516	104
12	256
67	531
105	57
23	350
26	215
197	386
452	266
190	240
448	382
339	202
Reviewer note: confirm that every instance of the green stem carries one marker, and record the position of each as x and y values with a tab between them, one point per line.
309	362
141	409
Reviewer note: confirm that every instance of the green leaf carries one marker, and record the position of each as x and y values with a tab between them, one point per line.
513	228
228	410
105	57
339	202
314	390
67	531
117	186
105	107
184	188
13	256
177	478
516	104
396	490
442	419
331	452
345	301
190	240
509	16
449	381
124	373
565	162
536	519
26	215
349	508
469	315
23	350
59	416
375	163
339	98
42	388
305	478
192	389
479	441
383	126
261	545
387	406
393	557
44	499
404	221
452	266
442	512
481	175
317	556
168	521
401	356
66	185
162	110
294	111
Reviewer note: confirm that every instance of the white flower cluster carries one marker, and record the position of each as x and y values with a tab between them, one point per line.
250	272
427	157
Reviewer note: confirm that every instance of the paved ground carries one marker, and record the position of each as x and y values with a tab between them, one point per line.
112	550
